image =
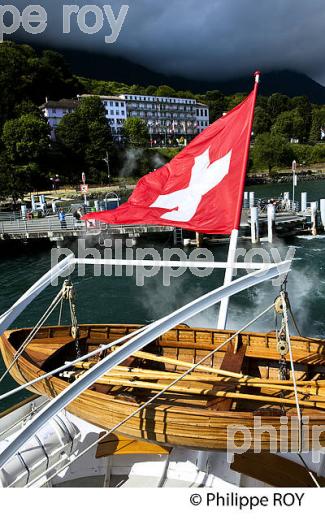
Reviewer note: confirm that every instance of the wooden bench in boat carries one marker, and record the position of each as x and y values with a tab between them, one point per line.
233	361
40	349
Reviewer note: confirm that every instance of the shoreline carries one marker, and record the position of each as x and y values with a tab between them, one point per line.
283	178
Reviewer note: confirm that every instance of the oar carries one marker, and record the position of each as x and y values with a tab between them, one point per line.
312	403
217	371
243	380
135	373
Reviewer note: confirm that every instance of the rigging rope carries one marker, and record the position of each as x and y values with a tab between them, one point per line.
312	476
285	318
33	333
66	293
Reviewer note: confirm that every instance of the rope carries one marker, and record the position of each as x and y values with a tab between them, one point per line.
156	396
285	318
33	333
60	313
70	364
312	476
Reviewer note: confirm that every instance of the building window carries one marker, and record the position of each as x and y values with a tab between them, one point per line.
112	112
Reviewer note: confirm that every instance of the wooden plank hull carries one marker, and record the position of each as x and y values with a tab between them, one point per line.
173	421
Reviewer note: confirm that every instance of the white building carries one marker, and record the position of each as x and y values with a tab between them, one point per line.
54	111
202	116
167	118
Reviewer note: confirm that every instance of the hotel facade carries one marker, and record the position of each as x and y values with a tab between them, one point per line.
168	119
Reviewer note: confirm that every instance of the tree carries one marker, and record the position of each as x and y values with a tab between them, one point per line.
304	109
165	91
72	134
262	121
318	122
184	94
290	124
151	90
28	107
27	76
25	138
91	108
233	101
85	138
271	150
99	136
26	144
216	103
136	132
14	61
276	104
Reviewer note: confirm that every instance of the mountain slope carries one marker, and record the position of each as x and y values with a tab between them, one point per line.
122	70
112	68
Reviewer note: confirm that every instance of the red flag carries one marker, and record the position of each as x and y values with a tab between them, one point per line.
202	187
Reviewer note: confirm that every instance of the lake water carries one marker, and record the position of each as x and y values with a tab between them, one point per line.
117	299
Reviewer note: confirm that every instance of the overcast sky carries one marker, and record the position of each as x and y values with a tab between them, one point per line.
210	39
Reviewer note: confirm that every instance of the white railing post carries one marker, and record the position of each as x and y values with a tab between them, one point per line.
254	225
270	222
322	211
303	201
313	207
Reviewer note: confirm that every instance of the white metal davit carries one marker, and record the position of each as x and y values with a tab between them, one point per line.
263	273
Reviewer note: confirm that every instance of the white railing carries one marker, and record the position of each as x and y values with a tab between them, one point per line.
44	225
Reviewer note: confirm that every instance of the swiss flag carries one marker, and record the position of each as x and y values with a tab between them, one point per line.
202	187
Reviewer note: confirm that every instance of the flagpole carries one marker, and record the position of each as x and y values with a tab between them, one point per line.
223	312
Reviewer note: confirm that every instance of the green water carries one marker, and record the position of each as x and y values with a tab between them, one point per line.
118	299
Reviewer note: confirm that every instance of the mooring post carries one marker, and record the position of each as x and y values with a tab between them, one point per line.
313	207
303	202
270	222
254	225
96	204
322	212
198	239
246	201
251	199
286	198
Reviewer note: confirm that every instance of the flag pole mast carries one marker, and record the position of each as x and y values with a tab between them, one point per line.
223	312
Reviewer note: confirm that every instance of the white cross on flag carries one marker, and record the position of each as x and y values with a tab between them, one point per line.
202	187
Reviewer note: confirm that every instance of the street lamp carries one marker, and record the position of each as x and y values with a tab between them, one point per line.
294	182
108	168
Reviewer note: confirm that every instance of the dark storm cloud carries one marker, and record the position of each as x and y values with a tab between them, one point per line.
210	39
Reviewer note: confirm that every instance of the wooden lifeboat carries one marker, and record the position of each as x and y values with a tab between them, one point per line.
237	388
